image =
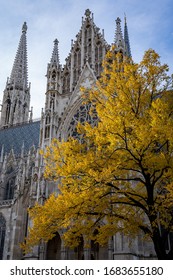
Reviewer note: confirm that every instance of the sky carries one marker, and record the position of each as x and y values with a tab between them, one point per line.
150	25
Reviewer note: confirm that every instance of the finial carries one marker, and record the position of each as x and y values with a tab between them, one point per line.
87	13
118	20
56	41
42	112
24	27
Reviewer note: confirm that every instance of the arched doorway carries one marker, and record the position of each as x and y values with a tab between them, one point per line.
79	250
54	248
94	248
98	252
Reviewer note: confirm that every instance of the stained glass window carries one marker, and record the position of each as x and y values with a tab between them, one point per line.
82	115
9	190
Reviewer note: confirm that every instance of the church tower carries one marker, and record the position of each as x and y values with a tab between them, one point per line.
49	121
83	66
16	99
63	83
122	43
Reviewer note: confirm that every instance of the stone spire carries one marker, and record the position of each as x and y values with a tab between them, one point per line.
16	99
19	74
119	41
55	54
54	69
126	38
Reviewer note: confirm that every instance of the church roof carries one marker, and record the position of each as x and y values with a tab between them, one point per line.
16	137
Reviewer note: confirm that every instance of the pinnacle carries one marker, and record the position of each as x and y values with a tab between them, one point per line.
19	74
24	27
118	20
118	34
56	41
87	12
55	53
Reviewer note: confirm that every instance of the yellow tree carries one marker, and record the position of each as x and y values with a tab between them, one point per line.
119	178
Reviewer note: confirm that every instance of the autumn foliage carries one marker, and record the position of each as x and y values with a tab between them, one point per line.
119	177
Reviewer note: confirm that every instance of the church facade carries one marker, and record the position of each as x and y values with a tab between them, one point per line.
22	167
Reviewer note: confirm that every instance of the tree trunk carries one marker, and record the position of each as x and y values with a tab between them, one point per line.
160	246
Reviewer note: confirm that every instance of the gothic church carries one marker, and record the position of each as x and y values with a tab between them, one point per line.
21	166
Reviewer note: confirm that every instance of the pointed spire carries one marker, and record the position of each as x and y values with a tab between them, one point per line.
119	41
126	38
55	53
19	74
16	99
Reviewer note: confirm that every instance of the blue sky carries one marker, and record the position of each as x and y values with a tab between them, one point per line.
150	25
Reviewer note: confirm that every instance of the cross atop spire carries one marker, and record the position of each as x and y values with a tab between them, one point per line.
55	53
19	74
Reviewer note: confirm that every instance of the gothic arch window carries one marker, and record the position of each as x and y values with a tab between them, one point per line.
15	104
87	36
66	82
54	248
98	57
48	119
52	102
9	189
53	75
7	111
77	64
2	235
47	131
94	248
47	126
24	111
82	115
